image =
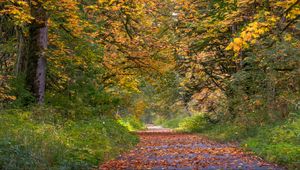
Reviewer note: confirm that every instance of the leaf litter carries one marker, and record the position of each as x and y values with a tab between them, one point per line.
165	149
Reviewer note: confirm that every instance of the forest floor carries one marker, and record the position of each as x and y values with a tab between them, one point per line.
161	148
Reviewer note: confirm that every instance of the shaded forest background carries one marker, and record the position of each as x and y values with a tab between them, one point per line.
95	69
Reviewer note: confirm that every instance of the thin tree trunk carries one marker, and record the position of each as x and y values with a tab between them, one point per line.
38	42
22	53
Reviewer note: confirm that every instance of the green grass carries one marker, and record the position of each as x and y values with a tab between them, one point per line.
30	141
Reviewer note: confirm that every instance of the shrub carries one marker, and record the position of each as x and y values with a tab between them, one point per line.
279	143
19	90
196	123
131	123
58	143
172	123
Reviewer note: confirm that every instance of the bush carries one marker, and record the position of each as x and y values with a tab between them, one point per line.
58	143
172	123
279	143
19	90
196	123
131	123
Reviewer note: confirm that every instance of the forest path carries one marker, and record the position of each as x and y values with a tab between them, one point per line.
162	148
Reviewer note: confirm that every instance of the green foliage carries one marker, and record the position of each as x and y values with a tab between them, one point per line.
22	94
267	88
172	123
230	132
28	141
280	143
131	123
77	102
196	123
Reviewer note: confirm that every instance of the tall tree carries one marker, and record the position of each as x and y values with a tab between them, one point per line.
38	42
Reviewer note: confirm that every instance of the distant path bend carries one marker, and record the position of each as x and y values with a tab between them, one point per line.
162	148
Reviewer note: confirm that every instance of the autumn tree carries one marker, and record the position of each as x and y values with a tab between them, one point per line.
224	43
104	43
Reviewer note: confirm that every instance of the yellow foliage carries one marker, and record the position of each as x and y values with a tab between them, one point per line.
251	33
288	37
139	108
129	82
20	13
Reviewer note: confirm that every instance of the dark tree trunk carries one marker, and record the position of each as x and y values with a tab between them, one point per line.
38	42
22	52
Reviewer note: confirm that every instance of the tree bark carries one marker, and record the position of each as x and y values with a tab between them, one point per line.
22	52
38	42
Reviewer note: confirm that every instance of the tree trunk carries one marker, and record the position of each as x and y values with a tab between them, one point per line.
38	42
22	52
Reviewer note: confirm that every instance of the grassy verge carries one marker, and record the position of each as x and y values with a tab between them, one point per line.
279	142
33	140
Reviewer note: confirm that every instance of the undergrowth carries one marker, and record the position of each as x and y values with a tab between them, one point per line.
279	142
42	138
170	123
131	123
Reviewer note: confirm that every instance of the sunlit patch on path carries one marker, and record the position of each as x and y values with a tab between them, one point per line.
161	148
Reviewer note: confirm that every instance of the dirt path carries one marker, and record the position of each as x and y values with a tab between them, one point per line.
161	148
